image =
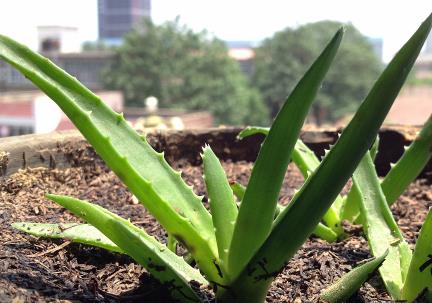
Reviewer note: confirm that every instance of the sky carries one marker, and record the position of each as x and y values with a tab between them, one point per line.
394	21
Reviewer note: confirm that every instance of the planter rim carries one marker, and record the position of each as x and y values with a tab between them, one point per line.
59	149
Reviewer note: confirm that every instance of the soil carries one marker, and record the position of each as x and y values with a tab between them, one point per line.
40	270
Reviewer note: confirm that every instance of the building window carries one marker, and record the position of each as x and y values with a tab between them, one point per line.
50	45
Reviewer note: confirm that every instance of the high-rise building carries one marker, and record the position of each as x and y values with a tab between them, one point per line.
117	17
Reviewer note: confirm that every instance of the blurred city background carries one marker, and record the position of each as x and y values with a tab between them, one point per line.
196	64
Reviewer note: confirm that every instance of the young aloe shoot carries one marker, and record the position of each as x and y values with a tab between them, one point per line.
405	274
401	174
237	251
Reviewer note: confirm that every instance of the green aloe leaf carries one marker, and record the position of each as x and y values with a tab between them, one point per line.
253	130
297	221
351	282
320	230
143	170
307	162
222	204
381	228
325	233
256	213
170	269
374	149
238	190
75	232
172	243
409	165
304	158
174	274
351	204
419	276
401	174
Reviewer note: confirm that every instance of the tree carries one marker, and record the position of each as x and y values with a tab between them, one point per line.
184	70
281	60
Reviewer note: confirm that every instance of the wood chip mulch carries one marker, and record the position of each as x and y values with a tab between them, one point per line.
40	270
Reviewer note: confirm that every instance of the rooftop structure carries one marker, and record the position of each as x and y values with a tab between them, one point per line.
58	39
26	112
87	67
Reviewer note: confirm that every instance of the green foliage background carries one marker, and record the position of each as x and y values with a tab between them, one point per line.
193	71
184	70
283	58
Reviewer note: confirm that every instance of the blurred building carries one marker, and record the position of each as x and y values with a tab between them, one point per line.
377	46
428	48
58	39
243	52
61	45
87	67
413	106
26	112
423	66
117	17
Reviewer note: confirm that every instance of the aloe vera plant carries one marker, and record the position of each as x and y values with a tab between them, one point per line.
237	251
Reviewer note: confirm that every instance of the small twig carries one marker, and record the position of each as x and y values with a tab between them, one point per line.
54	249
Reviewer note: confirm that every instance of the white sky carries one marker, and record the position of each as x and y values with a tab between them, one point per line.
394	21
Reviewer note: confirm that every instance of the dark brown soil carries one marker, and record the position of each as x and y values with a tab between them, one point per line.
39	270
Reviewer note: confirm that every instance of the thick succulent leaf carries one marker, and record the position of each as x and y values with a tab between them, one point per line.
222	205
374	149
350	209
351	282
253	130
238	190
75	232
419	275
144	171
409	165
320	230
256	213
306	160
381	228
171	243
351	205
169	271
297	221
162	263
302	156
325	233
